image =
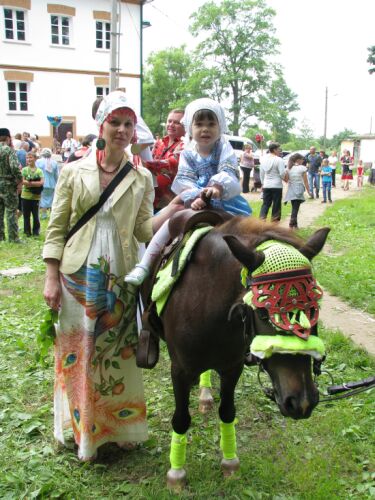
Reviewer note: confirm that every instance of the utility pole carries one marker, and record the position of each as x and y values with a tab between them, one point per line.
325	119
115	22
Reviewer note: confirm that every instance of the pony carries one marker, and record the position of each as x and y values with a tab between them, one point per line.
208	326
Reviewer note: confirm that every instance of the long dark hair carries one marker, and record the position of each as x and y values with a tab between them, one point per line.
293	158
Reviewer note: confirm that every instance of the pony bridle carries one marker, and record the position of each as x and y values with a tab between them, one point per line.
291	299
283	301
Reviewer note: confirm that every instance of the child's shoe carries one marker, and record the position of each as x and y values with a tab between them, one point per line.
137	275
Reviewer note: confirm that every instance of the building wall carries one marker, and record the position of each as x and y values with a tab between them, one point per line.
367	151
347	145
62	80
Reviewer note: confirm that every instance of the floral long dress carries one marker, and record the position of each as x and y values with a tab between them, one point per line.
98	387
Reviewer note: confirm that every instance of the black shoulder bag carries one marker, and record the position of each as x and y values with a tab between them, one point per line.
103	198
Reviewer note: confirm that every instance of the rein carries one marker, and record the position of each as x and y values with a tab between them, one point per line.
352	388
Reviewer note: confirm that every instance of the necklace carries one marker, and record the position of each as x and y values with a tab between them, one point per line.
109	172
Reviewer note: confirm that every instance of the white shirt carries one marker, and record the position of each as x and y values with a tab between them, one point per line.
332	160
272	171
69	144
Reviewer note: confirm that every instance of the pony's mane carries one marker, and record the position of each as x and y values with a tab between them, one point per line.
257	231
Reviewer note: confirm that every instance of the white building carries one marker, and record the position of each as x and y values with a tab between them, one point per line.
55	60
362	147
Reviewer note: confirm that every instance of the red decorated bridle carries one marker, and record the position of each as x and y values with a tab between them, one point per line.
282	293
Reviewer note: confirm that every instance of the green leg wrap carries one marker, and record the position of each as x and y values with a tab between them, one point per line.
177	455
205	379
228	443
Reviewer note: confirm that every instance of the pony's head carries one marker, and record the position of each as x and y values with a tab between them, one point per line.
283	303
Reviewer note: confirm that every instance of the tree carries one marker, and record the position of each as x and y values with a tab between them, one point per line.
335	142
240	39
276	109
171	80
371	59
303	139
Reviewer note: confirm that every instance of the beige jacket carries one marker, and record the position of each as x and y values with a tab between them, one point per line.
77	190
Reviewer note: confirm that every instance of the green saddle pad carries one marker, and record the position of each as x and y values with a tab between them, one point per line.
164	279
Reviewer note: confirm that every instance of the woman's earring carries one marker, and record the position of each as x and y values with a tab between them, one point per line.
100	144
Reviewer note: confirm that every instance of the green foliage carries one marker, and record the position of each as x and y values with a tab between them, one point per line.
239	44
172	79
371	59
276	109
347	268
303	139
253	130
334	144
46	336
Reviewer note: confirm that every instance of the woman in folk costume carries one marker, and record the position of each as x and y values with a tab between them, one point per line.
207	165
98	387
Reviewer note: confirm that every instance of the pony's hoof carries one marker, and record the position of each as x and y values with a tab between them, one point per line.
206	401
229	467
88	459
176	479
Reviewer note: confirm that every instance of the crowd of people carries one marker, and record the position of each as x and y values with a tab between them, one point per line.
113	191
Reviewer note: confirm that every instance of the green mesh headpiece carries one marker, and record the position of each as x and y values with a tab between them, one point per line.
280	257
283	284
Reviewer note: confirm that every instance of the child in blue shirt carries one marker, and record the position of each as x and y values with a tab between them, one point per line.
207	165
326	174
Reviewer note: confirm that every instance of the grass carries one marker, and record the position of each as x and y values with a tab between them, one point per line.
347	266
329	456
256	206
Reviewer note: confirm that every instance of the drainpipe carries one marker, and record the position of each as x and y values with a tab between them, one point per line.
113	80
141	60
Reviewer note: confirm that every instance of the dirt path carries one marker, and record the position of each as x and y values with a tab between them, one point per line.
335	313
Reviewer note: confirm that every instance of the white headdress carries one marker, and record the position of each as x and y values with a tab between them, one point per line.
114	100
198	105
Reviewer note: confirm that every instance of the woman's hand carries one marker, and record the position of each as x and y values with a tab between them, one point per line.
52	286
52	293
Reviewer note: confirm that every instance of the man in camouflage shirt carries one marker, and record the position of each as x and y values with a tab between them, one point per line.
10	177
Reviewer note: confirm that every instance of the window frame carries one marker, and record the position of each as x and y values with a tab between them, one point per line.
15	21
17	91
104	32
60	28
104	88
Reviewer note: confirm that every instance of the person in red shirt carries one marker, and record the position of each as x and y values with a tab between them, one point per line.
166	154
360	173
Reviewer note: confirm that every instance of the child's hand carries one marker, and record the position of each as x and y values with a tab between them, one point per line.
198	204
213	191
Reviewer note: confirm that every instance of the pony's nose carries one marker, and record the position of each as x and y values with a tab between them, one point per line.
298	408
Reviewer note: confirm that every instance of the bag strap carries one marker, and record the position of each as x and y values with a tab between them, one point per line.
103	198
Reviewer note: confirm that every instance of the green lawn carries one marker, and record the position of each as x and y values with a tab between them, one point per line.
347	266
329	456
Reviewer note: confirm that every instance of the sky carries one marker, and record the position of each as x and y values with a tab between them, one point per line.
323	44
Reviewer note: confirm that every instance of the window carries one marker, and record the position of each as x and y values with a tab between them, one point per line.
60	30
17	96
102	91
15	25
103	35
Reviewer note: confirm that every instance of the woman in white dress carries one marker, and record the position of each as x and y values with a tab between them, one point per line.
98	387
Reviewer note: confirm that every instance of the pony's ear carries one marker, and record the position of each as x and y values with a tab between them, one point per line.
249	258
315	243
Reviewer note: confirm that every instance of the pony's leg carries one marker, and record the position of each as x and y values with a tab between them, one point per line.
206	401
176	477
227	411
